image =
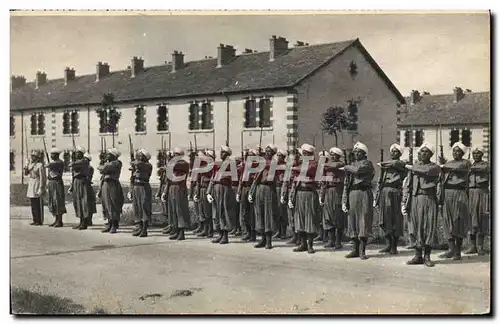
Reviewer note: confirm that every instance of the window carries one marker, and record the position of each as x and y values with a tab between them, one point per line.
454	136
108	120
70	122
12	161
41	124
161	158
407	139
206	116
140	119
466	137
74	122
34	124
419	138
103	116
66	124
67	160
12	126
37	124
265	113
250	114
194	116
162	113
352	116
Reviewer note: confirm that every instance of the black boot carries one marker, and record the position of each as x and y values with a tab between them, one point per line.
331	238
451	249
219	238
388	240
319	237
79	225
204	233
294	238
458	249
262	242
253	236
310	248
480	245
302	242
325	236
247	235
473	247
174	234
362	253
138	229
225	238
417	259
83	226
89	221
394	245
107	228
269	243
59	222
114	227
338	238
355	249
180	236
144	229
210	229
427	256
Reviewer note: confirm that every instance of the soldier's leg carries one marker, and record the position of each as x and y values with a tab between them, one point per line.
34	210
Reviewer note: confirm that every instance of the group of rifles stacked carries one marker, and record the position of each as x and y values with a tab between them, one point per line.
411	194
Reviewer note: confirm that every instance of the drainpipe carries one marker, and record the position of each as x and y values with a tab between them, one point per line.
227	118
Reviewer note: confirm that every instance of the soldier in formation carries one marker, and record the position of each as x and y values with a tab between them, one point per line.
91	194
37	183
202	181
55	187
246	211
111	192
282	211
141	193
80	188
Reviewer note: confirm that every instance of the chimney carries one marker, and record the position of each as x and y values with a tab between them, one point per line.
278	46
136	66
102	70
177	61
300	43
414	97
69	75
17	82
224	54
41	79
458	94
248	51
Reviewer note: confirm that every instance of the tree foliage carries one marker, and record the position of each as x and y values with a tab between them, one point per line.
335	121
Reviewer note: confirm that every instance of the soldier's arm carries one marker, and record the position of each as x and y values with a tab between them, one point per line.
480	167
430	170
43	178
364	167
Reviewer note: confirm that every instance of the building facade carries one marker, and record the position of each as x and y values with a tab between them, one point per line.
281	93
462	116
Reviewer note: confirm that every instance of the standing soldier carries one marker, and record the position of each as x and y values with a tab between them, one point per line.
266	200
322	233
221	194
112	191
357	200
200	195
247	212
479	202
141	194
192	183
55	187
176	195
91	194
237	225
388	197
305	202
281	208
36	185
79	188
454	200
334	219
419	201
164	157
287	194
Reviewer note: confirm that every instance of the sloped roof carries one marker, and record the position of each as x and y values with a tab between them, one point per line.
245	72
474	108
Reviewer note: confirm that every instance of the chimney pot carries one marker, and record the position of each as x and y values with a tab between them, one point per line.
102	70
41	79
278	46
137	66
458	94
414	97
17	82
225	54
69	75
177	61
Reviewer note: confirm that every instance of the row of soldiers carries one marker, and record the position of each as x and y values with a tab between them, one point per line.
267	203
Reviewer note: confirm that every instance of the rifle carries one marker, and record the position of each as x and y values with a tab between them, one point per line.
132	159
260	141
103	161
45	149
195	145
323	141
382	172
314	140
27	153
73	158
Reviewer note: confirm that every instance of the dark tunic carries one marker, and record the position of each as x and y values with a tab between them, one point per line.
390	197
358	196
81	199
307	214
282	209
91	194
162	175
112	191
224	204
142	196
264	193
202	182
331	194
55	188
478	221
177	196
247	210
288	194
454	197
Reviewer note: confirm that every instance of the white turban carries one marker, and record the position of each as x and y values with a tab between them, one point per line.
460	145
179	151
479	148
307	148
272	147
254	152
361	146
55	150
145	153
397	147
428	146
210	153
80	149
324	153
226	149
336	150
282	152
114	151
87	156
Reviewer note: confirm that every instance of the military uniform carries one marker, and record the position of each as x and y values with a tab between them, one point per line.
246	210
112	191
287	195
55	188
80	189
36	186
205	208
281	208
142	196
91	194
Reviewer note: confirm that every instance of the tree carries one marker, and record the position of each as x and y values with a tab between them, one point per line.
334	122
111	114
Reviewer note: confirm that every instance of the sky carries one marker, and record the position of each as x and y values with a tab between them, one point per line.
426	52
